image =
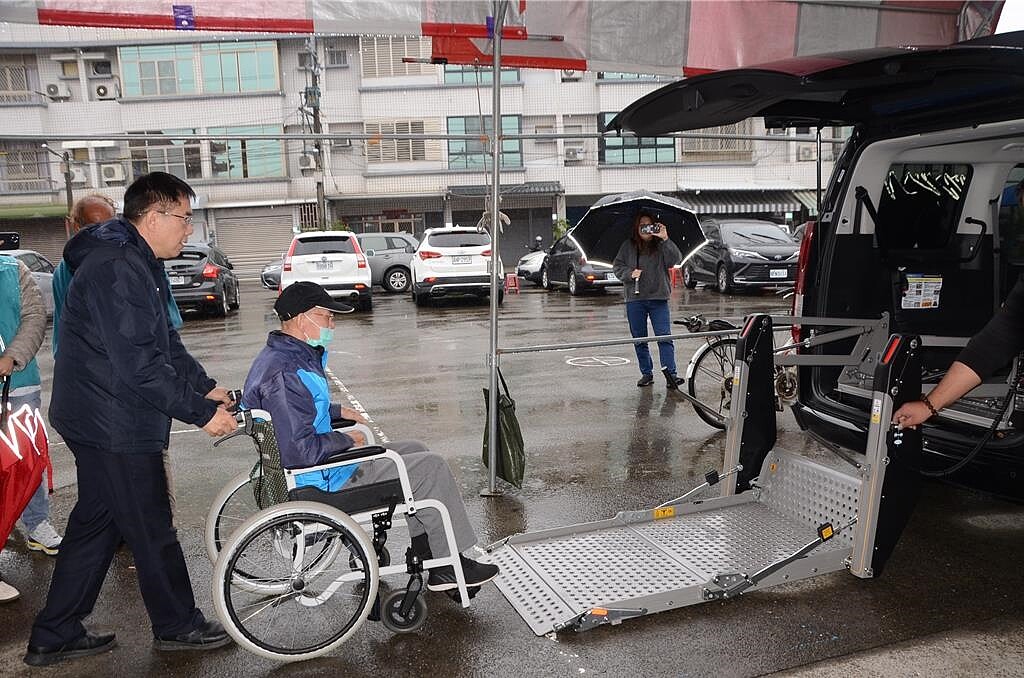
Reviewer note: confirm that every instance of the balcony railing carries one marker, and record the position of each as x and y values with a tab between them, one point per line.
21	98
36	185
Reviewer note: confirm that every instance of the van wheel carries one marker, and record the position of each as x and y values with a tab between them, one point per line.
234	303
221	310
545	282
689	282
574	290
396	279
724	280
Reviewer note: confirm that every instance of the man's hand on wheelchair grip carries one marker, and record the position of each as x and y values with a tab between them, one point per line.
222	423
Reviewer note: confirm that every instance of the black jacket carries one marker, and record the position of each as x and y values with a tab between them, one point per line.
122	372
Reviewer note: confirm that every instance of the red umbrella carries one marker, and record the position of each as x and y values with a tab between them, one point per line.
24	454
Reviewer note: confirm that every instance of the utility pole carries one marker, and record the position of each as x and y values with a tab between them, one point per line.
313	103
65	159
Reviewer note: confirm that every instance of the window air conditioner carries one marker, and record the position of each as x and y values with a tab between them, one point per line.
112	173
104	92
807	153
342	143
569	75
58	91
307	161
78	175
573	153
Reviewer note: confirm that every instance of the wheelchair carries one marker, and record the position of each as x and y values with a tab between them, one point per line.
299	576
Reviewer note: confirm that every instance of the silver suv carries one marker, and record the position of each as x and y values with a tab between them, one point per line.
389	255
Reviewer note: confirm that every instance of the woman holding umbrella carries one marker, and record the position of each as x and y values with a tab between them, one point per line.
642	264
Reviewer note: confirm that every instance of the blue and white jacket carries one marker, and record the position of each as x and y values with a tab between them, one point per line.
287	379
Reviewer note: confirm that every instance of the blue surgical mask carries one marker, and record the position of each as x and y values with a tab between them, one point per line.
325	338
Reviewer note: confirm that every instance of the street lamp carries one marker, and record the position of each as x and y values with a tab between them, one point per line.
66	160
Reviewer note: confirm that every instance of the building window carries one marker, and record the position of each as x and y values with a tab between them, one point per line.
381	57
158	70
23	167
473	153
471	75
19	79
633	150
335	55
247	158
69	69
179	157
239	67
721	150
395	150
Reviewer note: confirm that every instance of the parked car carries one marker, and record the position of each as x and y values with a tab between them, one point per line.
452	262
567	266
202	279
334	260
915	222
390	257
42	272
270	276
530	265
742	253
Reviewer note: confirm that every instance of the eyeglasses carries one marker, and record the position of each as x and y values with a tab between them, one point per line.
187	218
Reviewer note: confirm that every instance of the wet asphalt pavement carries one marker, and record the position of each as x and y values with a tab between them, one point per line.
950	601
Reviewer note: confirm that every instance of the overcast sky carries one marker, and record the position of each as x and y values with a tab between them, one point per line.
1012	17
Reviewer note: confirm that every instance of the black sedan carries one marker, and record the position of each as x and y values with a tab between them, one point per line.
743	253
270	276
567	265
202	280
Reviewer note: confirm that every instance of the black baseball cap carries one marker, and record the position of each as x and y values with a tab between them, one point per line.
301	296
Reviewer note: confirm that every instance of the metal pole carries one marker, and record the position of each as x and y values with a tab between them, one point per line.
67	189
496	276
817	216
313	98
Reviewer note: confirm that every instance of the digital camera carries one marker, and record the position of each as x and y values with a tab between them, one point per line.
650	229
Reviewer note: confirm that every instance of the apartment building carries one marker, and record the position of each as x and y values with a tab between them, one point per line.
179	90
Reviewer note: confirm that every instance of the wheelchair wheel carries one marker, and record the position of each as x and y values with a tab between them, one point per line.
391	613
232	506
297	597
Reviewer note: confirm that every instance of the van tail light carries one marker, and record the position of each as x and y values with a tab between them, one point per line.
360	261
426	254
210	272
801	276
287	265
485	253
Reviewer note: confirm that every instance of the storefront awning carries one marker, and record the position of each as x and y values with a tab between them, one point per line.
526	188
743	202
33	211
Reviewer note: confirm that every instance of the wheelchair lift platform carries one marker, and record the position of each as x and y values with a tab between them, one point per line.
796	518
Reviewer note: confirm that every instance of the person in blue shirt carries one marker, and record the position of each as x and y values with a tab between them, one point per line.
288	380
92	209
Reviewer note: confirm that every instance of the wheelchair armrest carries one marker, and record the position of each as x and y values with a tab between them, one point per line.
341	422
354	453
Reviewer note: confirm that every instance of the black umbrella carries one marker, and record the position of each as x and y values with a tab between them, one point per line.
608	223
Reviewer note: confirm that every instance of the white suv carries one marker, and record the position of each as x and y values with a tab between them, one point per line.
452	262
333	260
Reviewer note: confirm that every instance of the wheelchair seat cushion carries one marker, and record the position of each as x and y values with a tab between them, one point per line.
353	500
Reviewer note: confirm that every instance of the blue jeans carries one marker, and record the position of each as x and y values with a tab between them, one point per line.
637	312
38	508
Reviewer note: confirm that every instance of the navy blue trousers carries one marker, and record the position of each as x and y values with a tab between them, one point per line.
120	497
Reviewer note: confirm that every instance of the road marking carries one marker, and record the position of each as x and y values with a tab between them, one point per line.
596	361
358	407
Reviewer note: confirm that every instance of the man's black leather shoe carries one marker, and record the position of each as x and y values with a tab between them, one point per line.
206	637
89	644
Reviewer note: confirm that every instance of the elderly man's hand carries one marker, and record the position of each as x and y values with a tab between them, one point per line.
222	423
354	415
6	366
358	439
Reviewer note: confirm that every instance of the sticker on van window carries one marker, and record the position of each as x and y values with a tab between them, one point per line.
922	291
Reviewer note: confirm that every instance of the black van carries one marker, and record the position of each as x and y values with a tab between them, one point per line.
920	219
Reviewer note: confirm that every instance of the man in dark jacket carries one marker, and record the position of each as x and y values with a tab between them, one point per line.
288	380
120	376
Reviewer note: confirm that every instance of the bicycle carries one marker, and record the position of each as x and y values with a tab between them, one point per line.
710	373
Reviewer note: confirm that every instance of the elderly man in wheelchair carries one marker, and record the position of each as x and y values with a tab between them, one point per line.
287	379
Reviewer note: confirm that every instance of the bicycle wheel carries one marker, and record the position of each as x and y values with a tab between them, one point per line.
709	380
233	505
313	600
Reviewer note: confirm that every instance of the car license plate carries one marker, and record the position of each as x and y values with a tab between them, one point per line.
177	280
778	273
324	265
611	276
462	259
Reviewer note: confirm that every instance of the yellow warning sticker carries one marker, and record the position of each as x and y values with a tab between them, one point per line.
773	467
876	411
667	512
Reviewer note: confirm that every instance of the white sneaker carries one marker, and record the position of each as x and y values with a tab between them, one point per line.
8	592
44	538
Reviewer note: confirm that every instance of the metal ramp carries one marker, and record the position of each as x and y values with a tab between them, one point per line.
795	520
